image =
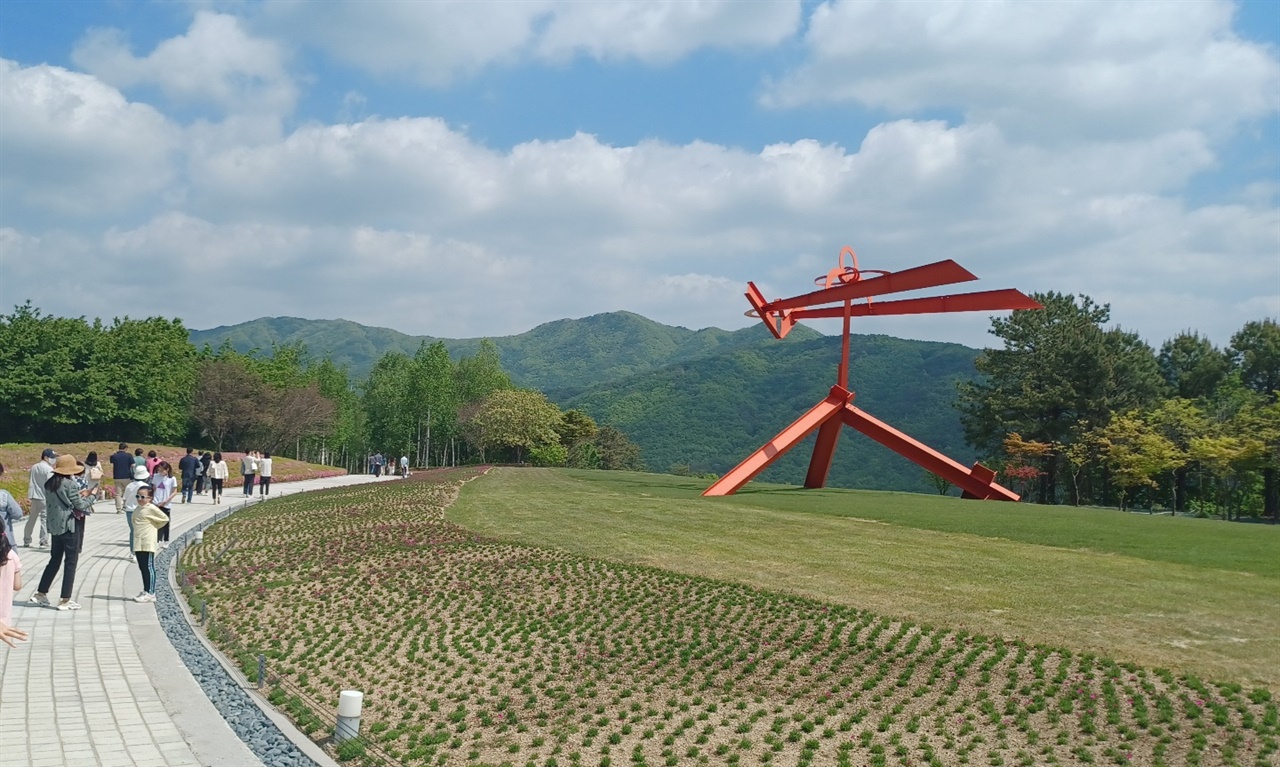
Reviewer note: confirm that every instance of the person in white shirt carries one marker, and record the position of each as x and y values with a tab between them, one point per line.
130	492
218	473
40	473
166	487
264	474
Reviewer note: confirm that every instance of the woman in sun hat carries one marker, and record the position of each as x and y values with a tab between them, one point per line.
66	507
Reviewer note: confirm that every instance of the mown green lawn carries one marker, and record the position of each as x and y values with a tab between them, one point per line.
1194	595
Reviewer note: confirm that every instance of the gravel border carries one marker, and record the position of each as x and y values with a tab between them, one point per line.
249	723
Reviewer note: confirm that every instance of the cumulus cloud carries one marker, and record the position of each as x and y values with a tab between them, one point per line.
73	146
439	42
1078	70
411	223
215	64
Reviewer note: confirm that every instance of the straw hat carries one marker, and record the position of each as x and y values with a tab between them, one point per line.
66	464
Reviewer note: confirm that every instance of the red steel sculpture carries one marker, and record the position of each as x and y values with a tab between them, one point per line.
842	286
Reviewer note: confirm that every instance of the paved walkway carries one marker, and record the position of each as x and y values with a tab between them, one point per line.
118	695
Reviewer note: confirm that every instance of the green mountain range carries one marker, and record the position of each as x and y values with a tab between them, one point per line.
556	355
700	399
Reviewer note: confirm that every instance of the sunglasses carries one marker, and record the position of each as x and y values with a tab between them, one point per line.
140	497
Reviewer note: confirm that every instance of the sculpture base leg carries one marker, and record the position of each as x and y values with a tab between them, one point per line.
827	417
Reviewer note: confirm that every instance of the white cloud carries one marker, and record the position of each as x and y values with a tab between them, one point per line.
216	63
72	146
409	223
665	30
439	42
1068	69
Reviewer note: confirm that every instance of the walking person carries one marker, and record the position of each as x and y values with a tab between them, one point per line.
248	468
121	474
10	578
148	521
202	483
67	508
165	488
264	475
131	497
139	460
39	475
10	512
189	467
218	473
152	461
404	466
93	474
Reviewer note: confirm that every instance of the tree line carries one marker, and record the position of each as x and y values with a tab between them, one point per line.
142	380
1073	411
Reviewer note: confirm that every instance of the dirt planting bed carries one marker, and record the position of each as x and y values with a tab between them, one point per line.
473	651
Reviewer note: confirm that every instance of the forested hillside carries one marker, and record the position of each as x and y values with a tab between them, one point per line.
555	355
708	414
698	399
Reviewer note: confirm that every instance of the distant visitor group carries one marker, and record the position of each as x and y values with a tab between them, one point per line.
61	492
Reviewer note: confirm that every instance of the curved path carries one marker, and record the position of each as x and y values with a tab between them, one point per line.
127	699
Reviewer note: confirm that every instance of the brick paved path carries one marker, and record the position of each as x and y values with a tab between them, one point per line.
117	694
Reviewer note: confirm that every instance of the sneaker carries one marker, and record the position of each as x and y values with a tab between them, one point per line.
145	597
39	599
68	605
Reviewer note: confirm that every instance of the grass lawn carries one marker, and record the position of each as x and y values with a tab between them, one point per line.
1194	595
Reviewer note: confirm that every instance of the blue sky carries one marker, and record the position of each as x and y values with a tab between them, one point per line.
465	169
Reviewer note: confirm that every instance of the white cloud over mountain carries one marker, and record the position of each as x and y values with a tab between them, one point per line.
409	222
1043	71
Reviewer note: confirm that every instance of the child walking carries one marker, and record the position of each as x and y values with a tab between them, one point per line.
147	521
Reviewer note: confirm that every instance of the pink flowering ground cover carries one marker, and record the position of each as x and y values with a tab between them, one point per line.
476	651
18	458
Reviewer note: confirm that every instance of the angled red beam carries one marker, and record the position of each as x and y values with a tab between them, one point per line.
926	457
982	301
928	276
778	323
802	427
824	450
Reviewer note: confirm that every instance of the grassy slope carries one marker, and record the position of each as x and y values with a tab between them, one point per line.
1187	594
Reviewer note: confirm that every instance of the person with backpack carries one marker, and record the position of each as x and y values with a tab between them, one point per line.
93	474
202	481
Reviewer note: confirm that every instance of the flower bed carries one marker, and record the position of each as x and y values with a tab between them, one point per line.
475	651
